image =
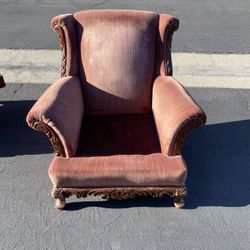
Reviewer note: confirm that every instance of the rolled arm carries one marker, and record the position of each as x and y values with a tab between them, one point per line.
175	113
58	113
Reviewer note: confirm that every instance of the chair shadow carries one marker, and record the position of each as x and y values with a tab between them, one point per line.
217	157
118	204
16	138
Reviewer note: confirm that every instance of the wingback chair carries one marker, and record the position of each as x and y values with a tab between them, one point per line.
2	83
116	119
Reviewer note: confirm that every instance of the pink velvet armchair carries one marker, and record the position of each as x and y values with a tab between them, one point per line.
116	119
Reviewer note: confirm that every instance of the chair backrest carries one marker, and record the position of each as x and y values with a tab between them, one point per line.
117	55
121	52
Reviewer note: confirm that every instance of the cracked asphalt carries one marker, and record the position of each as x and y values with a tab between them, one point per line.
218	205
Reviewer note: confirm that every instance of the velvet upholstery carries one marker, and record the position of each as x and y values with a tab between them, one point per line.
118	135
119	69
118	171
61	107
116	111
173	108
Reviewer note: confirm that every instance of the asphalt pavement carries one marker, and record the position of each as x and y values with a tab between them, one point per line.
217	208
205	26
217	212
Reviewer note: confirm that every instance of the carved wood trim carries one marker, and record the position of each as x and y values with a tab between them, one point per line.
179	140
53	137
173	26
58	28
119	193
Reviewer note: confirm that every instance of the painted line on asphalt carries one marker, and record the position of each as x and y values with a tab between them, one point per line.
212	70
191	69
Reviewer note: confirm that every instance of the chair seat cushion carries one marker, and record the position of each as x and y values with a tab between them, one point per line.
118	134
153	170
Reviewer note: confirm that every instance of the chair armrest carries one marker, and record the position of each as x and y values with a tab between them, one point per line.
58	113
175	113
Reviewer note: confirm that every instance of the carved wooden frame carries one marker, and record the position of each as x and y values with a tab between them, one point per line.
52	135
172	27
59	29
119	193
179	140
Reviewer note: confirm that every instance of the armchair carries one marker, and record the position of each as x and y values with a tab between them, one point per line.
116	119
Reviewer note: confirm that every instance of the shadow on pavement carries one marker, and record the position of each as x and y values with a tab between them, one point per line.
218	160
16	138
137	202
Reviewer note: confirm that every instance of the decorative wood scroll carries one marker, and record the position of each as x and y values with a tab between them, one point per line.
173	26
119	193
58	28
53	137
179	140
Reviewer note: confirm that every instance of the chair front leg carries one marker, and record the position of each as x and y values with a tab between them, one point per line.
60	200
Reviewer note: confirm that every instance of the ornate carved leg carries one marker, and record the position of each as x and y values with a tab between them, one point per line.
179	194
179	202
60	201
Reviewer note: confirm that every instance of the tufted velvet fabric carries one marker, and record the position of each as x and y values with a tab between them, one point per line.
152	170
118	55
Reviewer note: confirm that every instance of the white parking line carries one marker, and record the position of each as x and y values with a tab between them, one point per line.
212	70
192	70
30	66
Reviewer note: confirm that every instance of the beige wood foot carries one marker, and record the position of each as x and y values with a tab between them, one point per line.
179	202
60	203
